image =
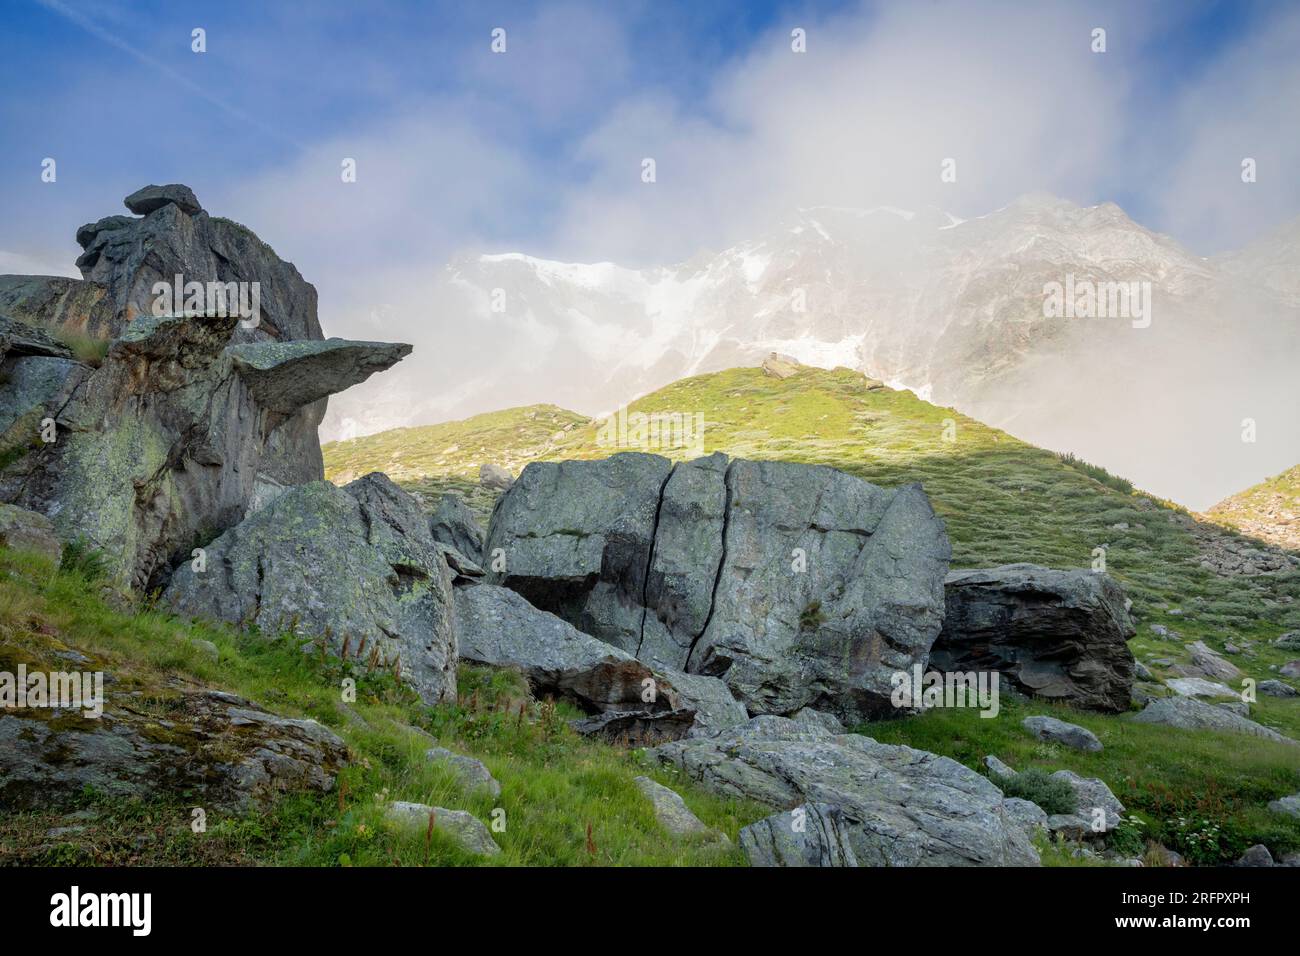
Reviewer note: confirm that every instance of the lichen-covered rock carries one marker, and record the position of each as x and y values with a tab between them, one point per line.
285	376
576	536
231	754
1192	714
900	806
1097	810
497	626
814	834
27	531
354	567
166	441
58	302
797	585
1060	635
454	524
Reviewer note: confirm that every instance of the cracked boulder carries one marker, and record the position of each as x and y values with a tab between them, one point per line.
353	567
797	585
1060	635
896	806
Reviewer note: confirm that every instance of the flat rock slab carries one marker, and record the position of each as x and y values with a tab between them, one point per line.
901	807
24	530
285	376
152	198
1199	687
1192	714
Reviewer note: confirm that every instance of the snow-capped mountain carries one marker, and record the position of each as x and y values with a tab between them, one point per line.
951	308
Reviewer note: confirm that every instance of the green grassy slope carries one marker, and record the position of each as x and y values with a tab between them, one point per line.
1269	510
554	783
1006	501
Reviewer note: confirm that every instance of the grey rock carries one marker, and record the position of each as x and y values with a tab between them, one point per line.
1058	731
1239	707
58	302
867	604
780	366
151	198
828	722
207	648
497	626
18	339
164	442
637	728
1211	663
1142	672
466	830
997	768
811	835
1287	805
577	537
494	477
454	524
23	530
1098	810
673	814
1257	855
695	566
1026	814
1060	635
1192	714
901	807
1289	641
286	376
1277	688
473	774
1290	669
1199	687
353	567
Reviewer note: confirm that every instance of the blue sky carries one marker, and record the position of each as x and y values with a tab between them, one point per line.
538	149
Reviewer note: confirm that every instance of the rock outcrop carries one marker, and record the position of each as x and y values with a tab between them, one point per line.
1060	635
166	440
28	531
355	567
797	585
897	806
811	835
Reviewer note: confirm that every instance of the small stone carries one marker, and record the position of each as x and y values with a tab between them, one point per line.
1058	731
464	828
673	814
997	768
1257	855
24	530
494	477
473	774
1277	688
1290	806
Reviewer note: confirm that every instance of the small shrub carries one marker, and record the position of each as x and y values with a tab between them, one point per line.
79	557
1037	786
1096	472
812	617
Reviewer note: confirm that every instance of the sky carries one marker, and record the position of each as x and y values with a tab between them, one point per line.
540	148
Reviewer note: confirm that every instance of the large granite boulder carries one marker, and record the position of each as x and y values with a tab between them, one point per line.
1060	635
354	567
454	524
497	626
797	585
897	806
